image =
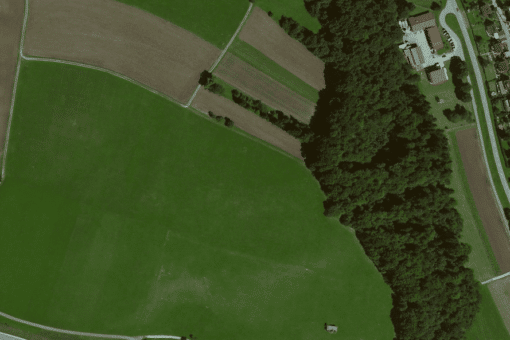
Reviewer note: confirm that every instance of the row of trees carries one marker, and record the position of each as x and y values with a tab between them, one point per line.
207	80
385	167
458	113
459	71
220	119
287	123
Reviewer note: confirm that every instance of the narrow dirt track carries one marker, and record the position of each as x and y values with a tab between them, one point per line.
11	24
121	38
476	172
260	86
268	37
500	291
248	121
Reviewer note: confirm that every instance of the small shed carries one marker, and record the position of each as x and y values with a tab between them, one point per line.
330	328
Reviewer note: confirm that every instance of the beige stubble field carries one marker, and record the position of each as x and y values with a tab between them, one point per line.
120	38
268	37
476	172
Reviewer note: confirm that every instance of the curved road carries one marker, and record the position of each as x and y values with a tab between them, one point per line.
451	7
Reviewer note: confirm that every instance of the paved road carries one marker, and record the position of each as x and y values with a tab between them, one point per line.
4	336
451	7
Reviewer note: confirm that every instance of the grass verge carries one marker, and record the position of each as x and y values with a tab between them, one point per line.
290	8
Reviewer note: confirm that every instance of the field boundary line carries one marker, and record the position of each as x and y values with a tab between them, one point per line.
12	336
496	278
223	52
33	324
11	110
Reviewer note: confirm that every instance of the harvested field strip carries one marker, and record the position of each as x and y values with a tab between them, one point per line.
268	37
476	173
253	82
488	323
247	121
255	58
11	23
120	38
214	21
290	8
500	291
481	259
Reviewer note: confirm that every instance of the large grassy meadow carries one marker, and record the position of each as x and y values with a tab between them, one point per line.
123	213
215	21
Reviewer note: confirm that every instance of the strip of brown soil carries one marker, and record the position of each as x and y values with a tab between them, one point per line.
260	86
121	38
476	172
206	101
268	37
11	25
500	291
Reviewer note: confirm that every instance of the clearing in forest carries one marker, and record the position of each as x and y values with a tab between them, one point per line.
268	37
120	38
129	214
247	121
260	86
11	24
476	173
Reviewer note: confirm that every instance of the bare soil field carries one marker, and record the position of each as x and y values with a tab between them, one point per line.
257	84
206	101
268	37
500	291
476	172
120	38
11	25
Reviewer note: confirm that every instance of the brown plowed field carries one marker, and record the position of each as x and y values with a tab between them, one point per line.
268	37
206	101
11	25
500	291
121	38
476	172
260	86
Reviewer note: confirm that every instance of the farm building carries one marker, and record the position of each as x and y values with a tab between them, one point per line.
422	22
414	57
434	38
438	76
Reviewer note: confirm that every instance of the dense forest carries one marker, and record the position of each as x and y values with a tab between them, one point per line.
385	168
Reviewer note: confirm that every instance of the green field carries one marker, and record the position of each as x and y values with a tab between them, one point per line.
488	324
215	21
257	59
290	8
128	214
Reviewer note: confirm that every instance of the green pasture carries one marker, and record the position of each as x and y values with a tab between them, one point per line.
290	8
257	59
215	21
128	214
488	324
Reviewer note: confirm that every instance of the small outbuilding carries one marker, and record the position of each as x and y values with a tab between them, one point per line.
330	328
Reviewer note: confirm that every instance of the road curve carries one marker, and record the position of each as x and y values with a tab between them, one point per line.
451	7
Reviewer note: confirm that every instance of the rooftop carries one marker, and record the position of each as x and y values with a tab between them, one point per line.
437	77
422	22
434	38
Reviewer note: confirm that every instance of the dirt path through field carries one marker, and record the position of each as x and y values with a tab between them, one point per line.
476	172
11	24
268	37
248	121
121	38
257	84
